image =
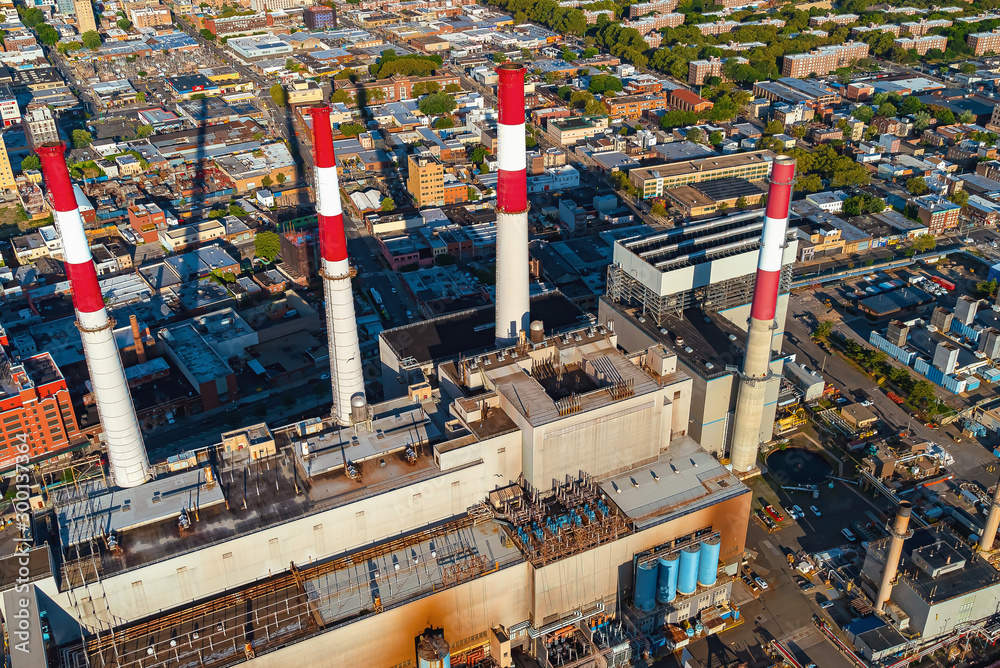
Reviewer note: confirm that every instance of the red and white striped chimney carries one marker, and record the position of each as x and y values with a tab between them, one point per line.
512	312
757	358
126	450
346	373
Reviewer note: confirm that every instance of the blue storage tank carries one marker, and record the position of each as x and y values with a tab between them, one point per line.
666	580
708	564
645	586
687	576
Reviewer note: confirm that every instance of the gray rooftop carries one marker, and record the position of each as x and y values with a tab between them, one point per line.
684	475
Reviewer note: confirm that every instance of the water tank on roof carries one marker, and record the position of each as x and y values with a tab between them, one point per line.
644	597
687	576
708	562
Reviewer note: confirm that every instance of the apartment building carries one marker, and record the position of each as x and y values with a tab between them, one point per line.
720	27
923	26
84	16
631	107
937	213
654	181
425	179
10	112
151	17
984	42
395	88
41	127
884	27
146	220
6	173
824	59
320	17
839	19
648	24
700	71
643	8
236	25
923	44
35	410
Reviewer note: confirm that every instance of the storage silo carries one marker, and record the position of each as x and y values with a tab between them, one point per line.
708	563
687	576
645	586
666	579
433	651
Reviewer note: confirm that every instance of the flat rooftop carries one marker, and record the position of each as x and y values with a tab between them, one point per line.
337	590
976	574
473	331
699	243
95	511
684	479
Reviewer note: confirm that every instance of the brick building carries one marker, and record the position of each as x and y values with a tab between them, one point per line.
984	42
35	410
685	100
394	88
923	44
147	220
824	59
632	106
425	180
937	213
643	8
298	255
236	25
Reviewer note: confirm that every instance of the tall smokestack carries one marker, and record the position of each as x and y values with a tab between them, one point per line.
512	207
757	359
126	450
346	373
992	523
140	350
900	532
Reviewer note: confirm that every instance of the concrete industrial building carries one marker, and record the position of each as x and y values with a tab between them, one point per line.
491	508
690	289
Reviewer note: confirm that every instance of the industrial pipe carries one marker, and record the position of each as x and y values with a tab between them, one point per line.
512	309
346	373
900	532
757	358
126	450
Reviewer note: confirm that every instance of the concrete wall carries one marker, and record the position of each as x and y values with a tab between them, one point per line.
200	573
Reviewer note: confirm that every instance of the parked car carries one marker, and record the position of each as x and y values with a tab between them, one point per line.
798	511
826	604
761	582
867	402
848	535
815	511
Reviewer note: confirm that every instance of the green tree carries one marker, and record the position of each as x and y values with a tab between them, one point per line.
887	110
217	213
47	34
436	104
774	128
658	209
82	139
237	210
91	39
31	16
140	97
741	202
600	83
722	207
207	34
822	330
619	180
32	162
478	154
279	95
446	122
864	113
267	245
453	88
144	131
715	138
472	194
124	24
351	129
388	204
967	68
916	185
695	135
960	197
341	97
281	178
967	117
924	243
921	120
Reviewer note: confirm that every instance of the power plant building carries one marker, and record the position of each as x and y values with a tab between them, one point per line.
690	290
